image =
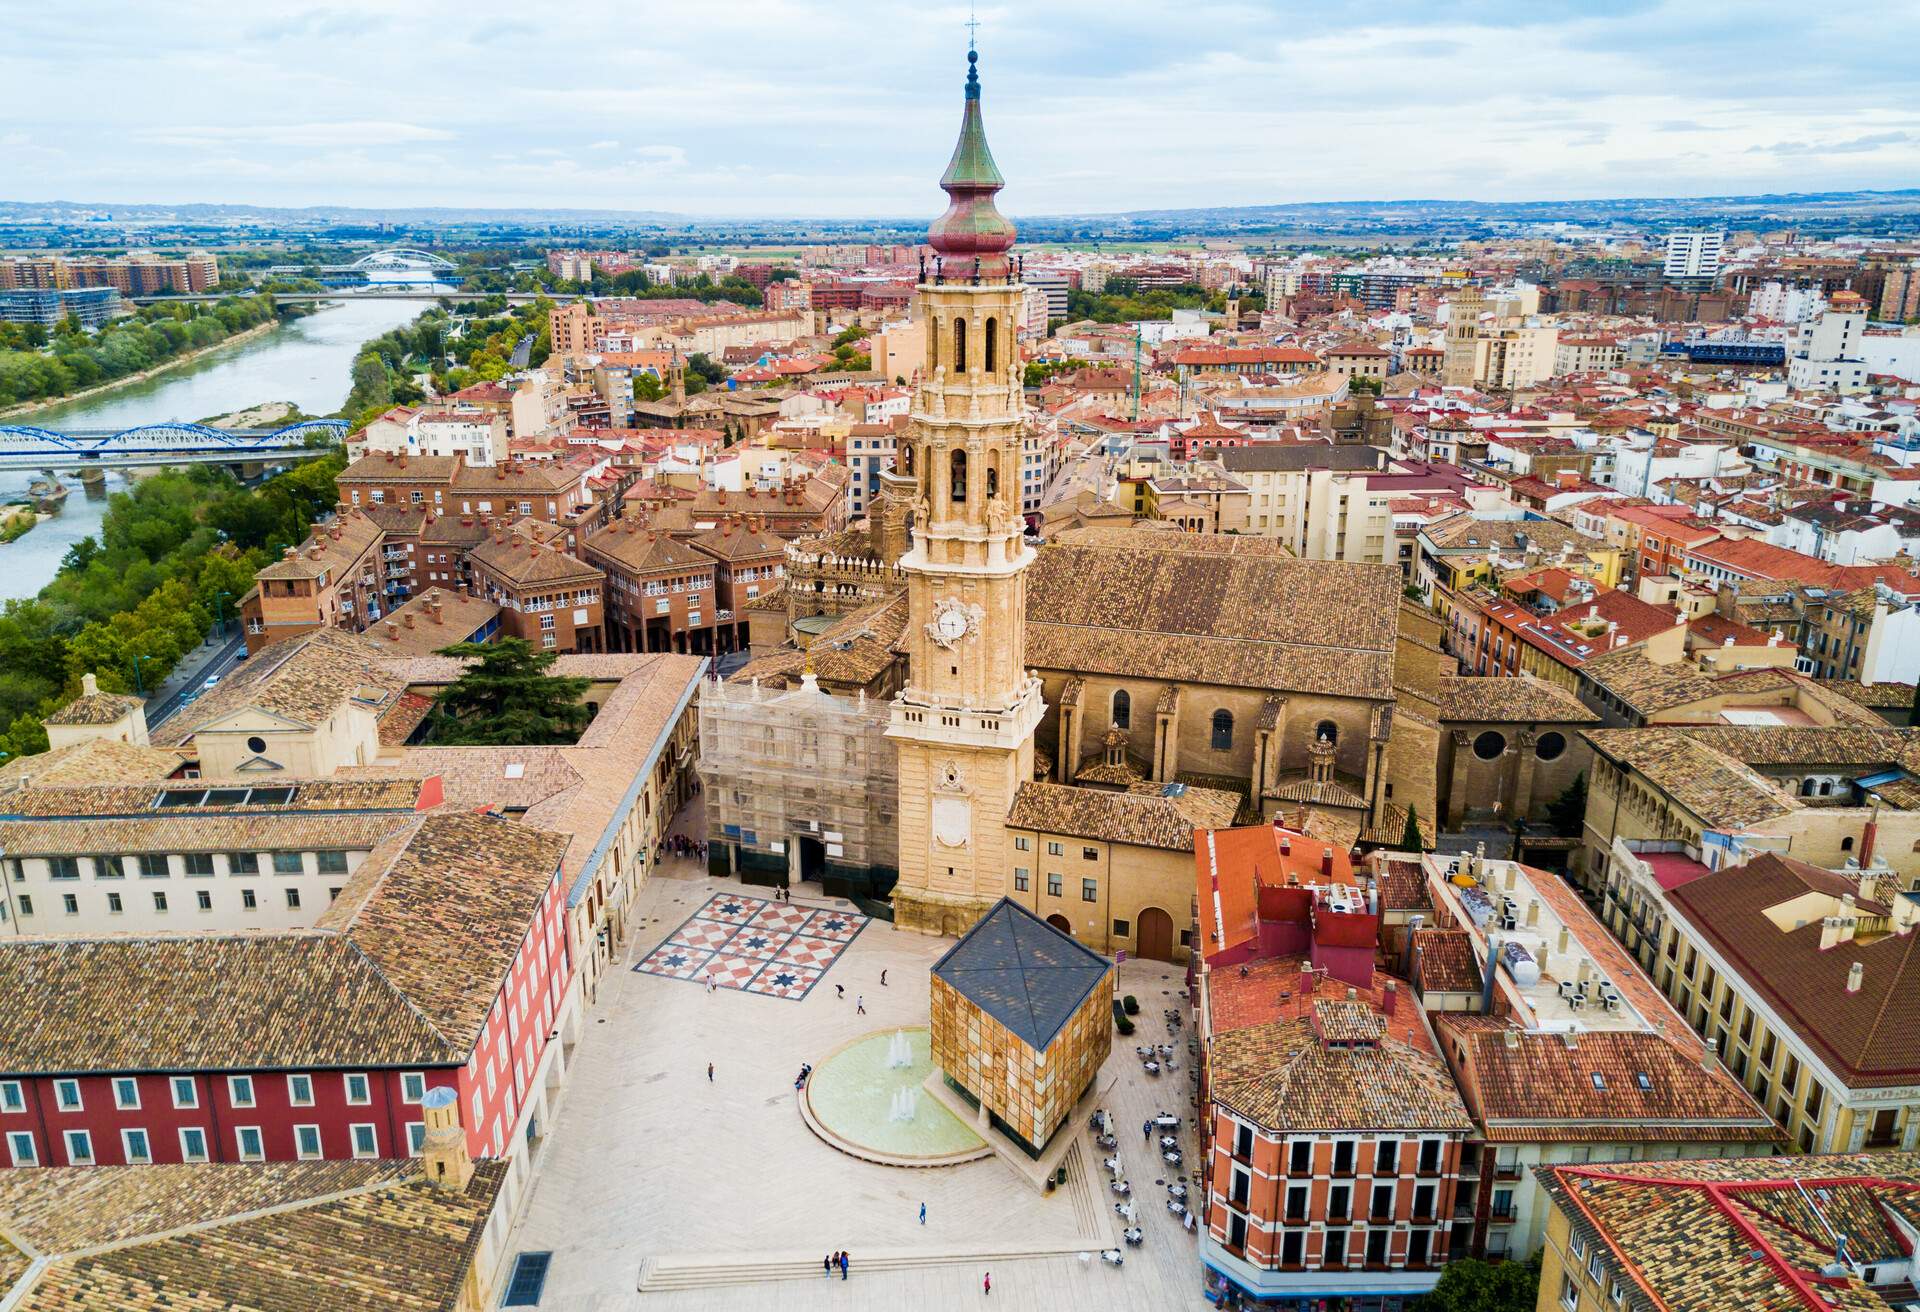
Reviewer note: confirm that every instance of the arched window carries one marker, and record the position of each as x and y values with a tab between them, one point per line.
1327	729
959	346
1123	712
1846	844
1222	730
1826	787
958	491
1806	787
906	459
993	335
993	478
933	350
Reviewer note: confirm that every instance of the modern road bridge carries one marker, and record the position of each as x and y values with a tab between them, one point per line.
165	443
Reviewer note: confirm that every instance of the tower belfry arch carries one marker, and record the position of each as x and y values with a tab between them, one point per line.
964	721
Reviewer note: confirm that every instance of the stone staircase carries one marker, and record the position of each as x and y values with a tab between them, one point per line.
1085	1190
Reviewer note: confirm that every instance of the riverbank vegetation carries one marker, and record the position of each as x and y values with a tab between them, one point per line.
174	554
475	347
38	364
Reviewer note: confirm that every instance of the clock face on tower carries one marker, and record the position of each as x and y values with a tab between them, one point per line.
953	620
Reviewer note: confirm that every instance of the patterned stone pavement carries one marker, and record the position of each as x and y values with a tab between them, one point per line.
754	945
649	1159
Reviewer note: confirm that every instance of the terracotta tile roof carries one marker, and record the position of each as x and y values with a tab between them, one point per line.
414	630
526	562
1753	1233
1606	1086
331	547
1651	688
1443	961
1721	791
303	679
1800	744
400	971
1139	819
1872	1036
1163	606
95	761
1521	698
368	1236
1878	695
1280	1075
95	708
638	550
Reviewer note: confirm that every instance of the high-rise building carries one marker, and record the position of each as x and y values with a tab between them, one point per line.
965	720
1693	256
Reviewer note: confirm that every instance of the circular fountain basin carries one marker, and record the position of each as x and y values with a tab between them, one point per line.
850	1099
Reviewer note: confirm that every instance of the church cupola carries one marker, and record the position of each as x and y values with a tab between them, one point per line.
971	240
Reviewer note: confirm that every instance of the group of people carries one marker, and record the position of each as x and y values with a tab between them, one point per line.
681	845
834	1260
800	1080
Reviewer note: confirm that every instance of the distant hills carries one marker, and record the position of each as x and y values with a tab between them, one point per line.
1873	210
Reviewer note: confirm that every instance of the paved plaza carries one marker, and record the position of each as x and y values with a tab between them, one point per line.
650	1161
755	945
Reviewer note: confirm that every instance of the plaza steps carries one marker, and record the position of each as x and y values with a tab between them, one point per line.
1086	1192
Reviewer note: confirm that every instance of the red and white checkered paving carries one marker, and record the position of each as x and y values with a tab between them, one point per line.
750	945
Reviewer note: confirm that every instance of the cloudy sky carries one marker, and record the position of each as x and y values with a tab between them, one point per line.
791	107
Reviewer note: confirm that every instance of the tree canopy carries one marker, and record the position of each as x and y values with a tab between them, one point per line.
508	697
1470	1285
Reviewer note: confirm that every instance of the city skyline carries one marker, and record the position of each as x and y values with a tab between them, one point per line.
1100	110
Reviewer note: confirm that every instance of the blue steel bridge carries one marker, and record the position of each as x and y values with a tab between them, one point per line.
23	447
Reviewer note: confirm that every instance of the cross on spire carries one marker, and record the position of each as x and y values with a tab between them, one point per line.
973	26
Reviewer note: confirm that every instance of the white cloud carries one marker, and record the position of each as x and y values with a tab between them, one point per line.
806	107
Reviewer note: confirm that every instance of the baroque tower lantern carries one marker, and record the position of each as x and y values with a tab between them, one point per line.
964	723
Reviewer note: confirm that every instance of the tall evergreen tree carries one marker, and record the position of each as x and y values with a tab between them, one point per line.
508	697
1410	840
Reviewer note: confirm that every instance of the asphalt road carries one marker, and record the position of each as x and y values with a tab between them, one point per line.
187	682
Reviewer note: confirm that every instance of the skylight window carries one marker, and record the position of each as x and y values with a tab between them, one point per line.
1640	1078
1599	1080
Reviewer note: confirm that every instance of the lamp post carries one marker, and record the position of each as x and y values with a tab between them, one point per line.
138	687
220	604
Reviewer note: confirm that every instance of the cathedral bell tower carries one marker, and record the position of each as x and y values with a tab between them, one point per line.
964	722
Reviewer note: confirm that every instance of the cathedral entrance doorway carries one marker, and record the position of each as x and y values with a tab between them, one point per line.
1061	923
810	859
1156	934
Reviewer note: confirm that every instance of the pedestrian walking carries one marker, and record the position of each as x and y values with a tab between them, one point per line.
923	1214
986	1284
860	1004
709	981
709	1072
826	1266
839	993
1146	1131
883	979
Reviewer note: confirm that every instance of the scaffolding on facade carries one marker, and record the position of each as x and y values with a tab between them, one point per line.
799	784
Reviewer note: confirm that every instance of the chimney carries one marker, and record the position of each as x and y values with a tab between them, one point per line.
1326	861
1566	936
408	617
1533	913
89	685
393	630
1905	913
444	1152
434	609
1512	1038
1390	999
1856	976
1832	931
1286	845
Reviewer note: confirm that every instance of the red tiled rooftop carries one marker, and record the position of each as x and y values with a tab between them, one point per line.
1262	991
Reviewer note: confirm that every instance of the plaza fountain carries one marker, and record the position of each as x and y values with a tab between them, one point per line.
865	1099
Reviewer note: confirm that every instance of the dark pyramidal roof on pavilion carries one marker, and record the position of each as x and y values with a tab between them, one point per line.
1022	972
